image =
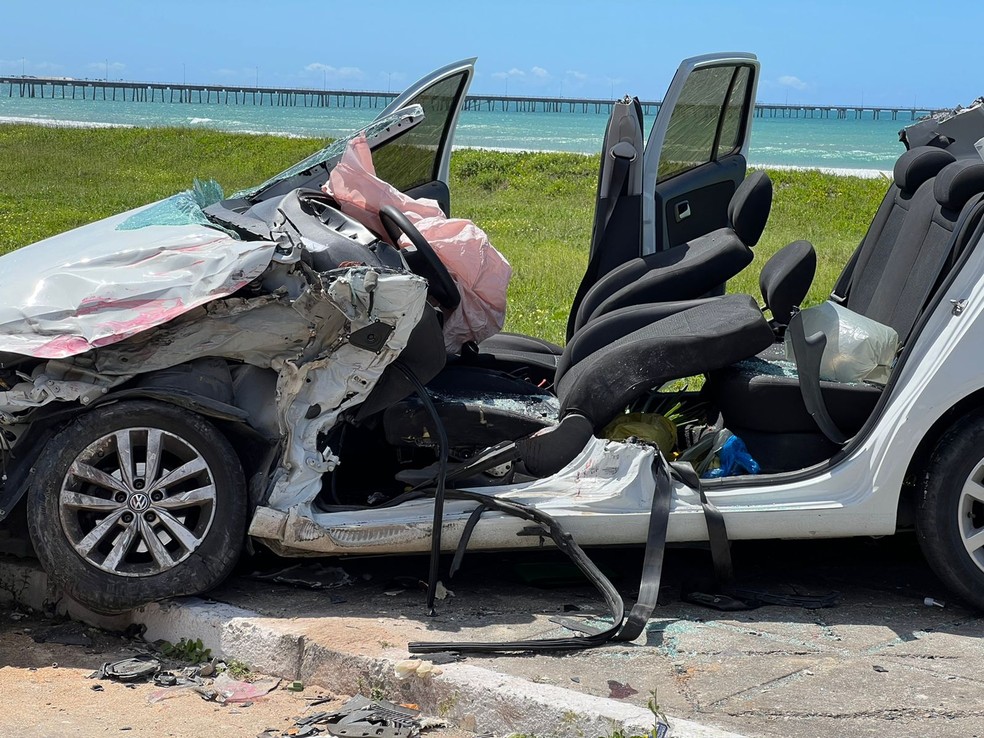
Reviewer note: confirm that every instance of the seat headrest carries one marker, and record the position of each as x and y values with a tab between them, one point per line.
917	165
958	182
786	278
749	208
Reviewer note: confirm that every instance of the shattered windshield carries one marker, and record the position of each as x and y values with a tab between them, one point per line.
377	132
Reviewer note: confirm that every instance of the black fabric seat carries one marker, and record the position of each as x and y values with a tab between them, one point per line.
601	331
691	269
694	341
895	271
760	402
684	272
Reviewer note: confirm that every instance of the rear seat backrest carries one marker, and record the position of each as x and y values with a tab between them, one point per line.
922	250
913	169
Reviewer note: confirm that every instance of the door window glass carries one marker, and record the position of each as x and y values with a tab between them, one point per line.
415	158
734	115
705	106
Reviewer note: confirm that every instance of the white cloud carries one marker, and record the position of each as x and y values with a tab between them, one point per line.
336	73
576	75
102	66
512	73
796	83
540	73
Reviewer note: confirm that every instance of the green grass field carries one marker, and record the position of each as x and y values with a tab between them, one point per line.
537	208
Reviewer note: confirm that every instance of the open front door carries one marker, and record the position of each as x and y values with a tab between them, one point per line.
696	154
417	162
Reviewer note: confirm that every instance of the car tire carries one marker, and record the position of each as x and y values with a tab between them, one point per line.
173	525
950	510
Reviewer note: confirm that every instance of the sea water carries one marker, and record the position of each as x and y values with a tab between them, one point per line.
791	142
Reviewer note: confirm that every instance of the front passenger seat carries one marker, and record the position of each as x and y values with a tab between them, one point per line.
685	272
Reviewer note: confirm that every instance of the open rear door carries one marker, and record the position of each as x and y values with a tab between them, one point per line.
696	154
418	161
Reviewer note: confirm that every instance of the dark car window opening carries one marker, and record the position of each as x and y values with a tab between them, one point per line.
706	122
730	138
416	158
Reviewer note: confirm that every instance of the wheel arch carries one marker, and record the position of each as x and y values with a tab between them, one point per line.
207	399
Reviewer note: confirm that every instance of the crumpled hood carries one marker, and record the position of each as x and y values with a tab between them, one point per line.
96	285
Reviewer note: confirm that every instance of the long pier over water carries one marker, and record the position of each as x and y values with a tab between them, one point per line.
220	94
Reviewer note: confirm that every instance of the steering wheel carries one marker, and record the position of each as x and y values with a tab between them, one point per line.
425	262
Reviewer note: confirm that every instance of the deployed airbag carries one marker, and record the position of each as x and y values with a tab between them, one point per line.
480	272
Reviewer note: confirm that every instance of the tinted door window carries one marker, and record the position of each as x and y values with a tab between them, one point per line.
733	121
415	158
706	122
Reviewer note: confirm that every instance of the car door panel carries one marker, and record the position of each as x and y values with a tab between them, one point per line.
696	202
696	154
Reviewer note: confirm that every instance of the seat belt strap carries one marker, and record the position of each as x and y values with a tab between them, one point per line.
967	220
843	286
808	355
652	565
463	542
620	174
717	529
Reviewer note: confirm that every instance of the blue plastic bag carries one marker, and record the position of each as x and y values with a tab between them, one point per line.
733	459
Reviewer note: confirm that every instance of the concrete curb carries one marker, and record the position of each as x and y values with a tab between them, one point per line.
471	697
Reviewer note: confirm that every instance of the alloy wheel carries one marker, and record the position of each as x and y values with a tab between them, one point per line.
970	513
137	502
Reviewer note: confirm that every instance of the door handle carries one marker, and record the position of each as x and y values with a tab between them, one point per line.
682	210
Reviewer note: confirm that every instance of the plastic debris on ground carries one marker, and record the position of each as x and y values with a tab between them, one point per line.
136	669
223	689
442	592
752	595
229	691
361	717
619	691
184	208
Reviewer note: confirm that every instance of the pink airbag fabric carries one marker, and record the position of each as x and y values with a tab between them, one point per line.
478	269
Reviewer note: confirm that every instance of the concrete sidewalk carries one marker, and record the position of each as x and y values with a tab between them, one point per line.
881	662
352	655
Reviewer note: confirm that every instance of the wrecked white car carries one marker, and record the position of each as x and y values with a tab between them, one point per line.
179	377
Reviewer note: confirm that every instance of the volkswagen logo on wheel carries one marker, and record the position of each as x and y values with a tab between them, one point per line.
139	501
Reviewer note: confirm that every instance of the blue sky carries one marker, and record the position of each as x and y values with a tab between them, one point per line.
885	52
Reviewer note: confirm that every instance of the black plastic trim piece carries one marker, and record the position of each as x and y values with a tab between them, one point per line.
187	400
